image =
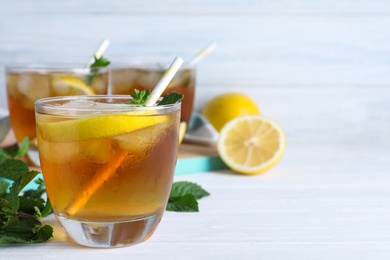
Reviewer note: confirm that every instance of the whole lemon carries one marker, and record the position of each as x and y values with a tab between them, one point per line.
225	107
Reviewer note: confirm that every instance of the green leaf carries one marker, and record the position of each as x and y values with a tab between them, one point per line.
139	97
183	187
3	187
100	62
95	66
13	169
13	198
24	232
4	203
38	192
171	98
27	178
23	148
8	239
47	210
15	189
44	234
38	213
28	205
3	155
185	203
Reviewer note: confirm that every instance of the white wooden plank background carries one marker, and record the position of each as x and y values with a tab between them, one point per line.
320	68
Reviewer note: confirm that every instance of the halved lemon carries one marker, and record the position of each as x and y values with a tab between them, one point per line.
251	144
68	85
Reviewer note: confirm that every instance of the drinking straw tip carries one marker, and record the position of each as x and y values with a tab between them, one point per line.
203	53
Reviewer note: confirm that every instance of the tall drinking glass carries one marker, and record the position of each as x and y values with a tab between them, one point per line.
26	84
108	166
126	78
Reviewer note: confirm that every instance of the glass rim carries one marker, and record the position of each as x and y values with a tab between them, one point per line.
147	65
55	104
47	68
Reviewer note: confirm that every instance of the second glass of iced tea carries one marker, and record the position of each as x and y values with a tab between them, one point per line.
108	166
127	77
28	83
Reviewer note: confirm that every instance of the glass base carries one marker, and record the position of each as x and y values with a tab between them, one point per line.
110	234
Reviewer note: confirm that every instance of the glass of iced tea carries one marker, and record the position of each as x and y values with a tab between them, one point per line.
26	84
108	166
127	77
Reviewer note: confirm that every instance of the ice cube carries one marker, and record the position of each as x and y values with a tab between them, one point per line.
140	141
34	85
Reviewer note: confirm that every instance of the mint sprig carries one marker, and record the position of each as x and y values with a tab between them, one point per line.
94	67
20	213
140	98
184	196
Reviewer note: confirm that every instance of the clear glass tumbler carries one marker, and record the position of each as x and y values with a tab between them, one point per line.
108	166
28	83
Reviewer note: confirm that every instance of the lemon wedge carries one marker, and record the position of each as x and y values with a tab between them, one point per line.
251	144
182	131
68	85
95	127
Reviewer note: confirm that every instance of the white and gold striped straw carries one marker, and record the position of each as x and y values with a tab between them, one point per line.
205	51
164	81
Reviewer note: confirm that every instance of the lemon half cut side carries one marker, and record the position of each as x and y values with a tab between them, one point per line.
251	144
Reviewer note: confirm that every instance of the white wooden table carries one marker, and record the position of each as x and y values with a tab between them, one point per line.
319	68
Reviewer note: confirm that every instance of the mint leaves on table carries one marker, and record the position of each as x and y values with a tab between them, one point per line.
20	214
140	97
94	67
184	196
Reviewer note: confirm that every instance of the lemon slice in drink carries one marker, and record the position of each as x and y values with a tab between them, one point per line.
68	85
95	127
182	131
251	144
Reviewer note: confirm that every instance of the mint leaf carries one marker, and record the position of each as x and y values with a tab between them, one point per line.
139	97
23	181
3	187
28	205
38	192
184	196
27	231
20	212
185	203
95	66
17	151
47	210
23	148
100	62
44	234
3	155
183	187
13	169
171	98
